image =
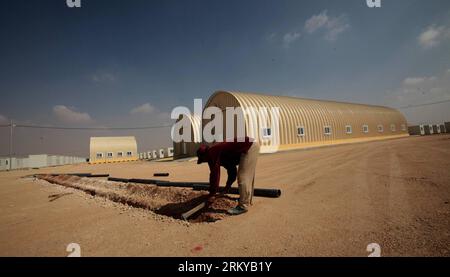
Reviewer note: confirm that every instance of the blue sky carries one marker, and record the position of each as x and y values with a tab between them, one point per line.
129	63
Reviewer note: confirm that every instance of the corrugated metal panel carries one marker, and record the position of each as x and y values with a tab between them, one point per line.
188	149
314	115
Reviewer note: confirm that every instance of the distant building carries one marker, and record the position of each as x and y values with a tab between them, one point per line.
436	129
303	123
308	122
170	152
14	163
417	130
37	161
113	149
430	129
161	153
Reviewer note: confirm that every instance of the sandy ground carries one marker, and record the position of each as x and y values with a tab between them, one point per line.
335	201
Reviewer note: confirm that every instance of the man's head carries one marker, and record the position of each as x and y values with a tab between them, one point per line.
202	154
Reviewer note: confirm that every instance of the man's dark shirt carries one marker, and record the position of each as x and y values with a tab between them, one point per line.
228	155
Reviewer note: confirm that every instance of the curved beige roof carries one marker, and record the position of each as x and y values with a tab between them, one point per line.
314	115
189	148
196	125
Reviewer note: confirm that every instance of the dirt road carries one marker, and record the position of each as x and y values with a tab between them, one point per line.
335	202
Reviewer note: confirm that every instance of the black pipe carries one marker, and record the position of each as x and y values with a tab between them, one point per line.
87	175
272	193
72	174
161	175
178	184
123	180
79	174
183	184
97	175
147	181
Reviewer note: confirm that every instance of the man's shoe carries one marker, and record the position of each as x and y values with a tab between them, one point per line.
237	210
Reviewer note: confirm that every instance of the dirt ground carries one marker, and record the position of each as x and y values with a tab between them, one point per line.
168	201
335	201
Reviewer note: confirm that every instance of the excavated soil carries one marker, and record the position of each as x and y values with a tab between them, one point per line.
171	202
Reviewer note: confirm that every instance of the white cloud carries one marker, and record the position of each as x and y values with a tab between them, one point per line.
420	90
416	81
417	93
433	36
103	77
143	109
332	26
70	115
335	27
290	38
271	37
413	81
316	22
3	119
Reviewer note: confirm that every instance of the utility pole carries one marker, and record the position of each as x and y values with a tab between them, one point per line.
11	126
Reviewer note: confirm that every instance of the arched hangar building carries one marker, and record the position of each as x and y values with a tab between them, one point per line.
307	123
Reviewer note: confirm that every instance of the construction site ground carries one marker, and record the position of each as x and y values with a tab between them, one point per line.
335	202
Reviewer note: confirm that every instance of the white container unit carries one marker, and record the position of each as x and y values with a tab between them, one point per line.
161	153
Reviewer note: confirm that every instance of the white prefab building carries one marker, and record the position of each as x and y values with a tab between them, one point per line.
52	160
37	161
149	155
155	154
161	153
113	149
14	163
4	163
422	130
170	152
20	163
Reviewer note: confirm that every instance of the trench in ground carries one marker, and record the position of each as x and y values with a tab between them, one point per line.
166	201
